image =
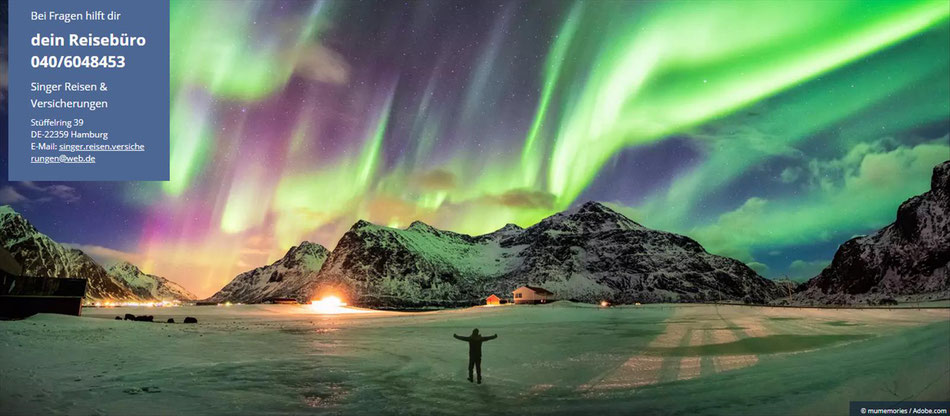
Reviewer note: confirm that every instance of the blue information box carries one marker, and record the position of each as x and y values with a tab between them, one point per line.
88	90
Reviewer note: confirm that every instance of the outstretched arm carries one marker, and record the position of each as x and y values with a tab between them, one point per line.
491	337
460	338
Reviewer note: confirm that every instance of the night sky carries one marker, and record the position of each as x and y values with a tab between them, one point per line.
771	132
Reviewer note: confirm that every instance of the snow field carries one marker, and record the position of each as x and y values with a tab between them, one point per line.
555	359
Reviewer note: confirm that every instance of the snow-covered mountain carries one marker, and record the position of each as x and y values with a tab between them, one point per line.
291	276
39	255
382	266
911	256
589	254
148	286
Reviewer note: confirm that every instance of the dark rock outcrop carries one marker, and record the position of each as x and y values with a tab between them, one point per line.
908	258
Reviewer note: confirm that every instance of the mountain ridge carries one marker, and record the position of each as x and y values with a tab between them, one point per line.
289	276
588	253
39	255
908	258
148	286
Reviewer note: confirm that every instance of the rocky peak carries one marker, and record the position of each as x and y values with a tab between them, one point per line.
593	211
928	210
125	267
13	224
511	227
6	210
594	207
910	257
290	276
361	224
507	232
306	247
302	251
421	226
590	217
940	182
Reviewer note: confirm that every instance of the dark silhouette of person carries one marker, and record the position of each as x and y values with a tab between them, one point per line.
475	352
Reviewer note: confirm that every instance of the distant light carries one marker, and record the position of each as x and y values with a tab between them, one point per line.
604	303
113	304
329	305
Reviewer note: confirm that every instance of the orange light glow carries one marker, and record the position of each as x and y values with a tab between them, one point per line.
330	305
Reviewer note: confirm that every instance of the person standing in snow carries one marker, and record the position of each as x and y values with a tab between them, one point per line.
475	352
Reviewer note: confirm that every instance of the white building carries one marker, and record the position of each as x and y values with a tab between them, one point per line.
532	294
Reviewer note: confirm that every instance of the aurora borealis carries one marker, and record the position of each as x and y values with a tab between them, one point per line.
769	131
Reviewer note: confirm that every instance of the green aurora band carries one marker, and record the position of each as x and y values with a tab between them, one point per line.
684	65
745	85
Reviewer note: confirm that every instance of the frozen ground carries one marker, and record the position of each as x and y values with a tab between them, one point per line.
555	359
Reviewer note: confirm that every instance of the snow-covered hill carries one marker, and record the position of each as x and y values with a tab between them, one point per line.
39	255
594	252
148	286
377	266
291	276
590	253
909	257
